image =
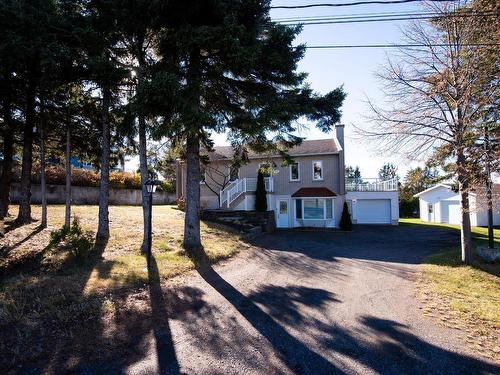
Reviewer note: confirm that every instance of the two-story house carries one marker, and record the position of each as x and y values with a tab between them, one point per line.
310	192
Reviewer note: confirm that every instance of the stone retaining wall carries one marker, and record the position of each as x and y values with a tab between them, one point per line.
90	195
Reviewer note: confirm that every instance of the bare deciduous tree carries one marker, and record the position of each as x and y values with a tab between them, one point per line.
435	97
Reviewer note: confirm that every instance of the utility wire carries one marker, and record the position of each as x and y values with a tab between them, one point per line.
364	20
397	45
384	15
353	4
410	12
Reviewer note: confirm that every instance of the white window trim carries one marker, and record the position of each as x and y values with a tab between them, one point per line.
298	172
322	170
324	209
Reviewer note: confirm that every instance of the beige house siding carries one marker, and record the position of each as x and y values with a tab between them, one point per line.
282	183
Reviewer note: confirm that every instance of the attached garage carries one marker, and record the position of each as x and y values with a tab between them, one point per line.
373	207
373	211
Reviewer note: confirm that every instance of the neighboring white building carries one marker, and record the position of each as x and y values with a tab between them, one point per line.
440	204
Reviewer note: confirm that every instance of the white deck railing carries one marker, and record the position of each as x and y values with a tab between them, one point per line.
371	184
240	186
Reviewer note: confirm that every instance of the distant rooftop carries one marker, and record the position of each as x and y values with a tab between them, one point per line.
308	147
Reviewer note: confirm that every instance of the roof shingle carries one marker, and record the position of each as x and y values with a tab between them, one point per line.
308	147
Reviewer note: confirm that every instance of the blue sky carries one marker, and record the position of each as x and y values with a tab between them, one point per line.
353	68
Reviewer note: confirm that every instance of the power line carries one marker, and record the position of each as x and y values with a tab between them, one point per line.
380	19
385	15
398	45
410	12
353	4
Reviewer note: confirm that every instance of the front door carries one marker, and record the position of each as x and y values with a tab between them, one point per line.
283	216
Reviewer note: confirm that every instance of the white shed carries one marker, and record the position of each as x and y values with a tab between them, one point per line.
440	204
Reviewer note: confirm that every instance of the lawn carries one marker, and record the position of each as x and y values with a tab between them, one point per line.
464	297
47	298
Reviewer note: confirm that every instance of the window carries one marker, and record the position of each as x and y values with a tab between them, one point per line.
317	170
314	209
294	172
431	208
283	207
298	209
329	208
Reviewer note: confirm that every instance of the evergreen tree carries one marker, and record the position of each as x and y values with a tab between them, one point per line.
388	172
260	193
225	66
345	220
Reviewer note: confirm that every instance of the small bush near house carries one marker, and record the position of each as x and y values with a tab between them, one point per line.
75	240
345	220
260	194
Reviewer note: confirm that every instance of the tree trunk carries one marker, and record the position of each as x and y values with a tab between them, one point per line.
6	179
465	228
144	177
43	185
489	197
24	216
192	240
143	160
8	153
67	215
103	226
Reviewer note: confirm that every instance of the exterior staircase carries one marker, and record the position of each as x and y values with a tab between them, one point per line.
239	187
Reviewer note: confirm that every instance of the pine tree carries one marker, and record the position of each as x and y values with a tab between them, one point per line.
260	194
225	66
345	220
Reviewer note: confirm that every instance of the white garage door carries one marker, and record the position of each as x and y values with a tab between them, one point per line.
451	212
373	211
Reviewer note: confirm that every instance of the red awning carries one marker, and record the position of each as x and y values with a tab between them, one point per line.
313	192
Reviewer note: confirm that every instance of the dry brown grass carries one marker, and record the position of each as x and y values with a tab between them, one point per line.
464	297
45	298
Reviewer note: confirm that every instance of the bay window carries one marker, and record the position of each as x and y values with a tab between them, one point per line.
314	208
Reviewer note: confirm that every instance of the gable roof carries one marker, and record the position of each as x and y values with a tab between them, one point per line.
307	147
446	185
314	192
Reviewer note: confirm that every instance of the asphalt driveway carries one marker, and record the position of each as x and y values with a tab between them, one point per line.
308	303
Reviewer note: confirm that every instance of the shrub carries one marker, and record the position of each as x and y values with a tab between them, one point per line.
181	203
56	175
75	240
167	186
345	220
260	194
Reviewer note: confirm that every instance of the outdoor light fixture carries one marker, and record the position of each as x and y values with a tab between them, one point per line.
151	188
151	185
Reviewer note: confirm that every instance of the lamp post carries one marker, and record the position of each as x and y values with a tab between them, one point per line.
151	188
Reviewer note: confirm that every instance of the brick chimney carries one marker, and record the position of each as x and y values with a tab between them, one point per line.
339	134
